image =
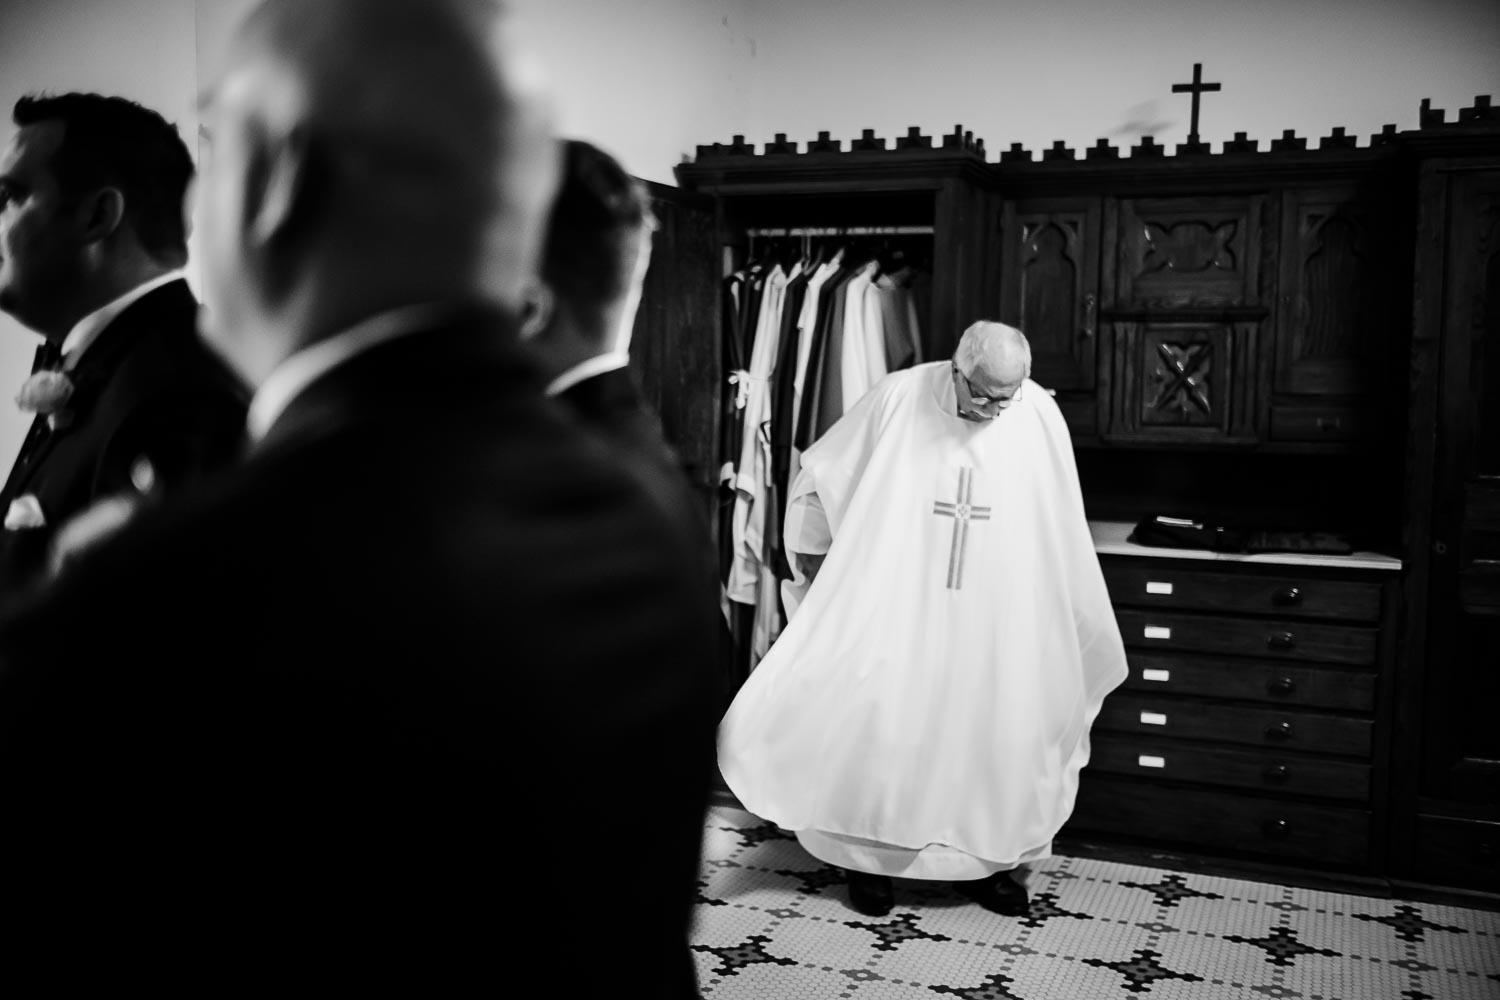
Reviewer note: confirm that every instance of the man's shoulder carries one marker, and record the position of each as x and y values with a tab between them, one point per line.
899	386
165	358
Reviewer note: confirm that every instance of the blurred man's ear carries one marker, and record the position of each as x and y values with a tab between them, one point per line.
537	306
277	189
101	214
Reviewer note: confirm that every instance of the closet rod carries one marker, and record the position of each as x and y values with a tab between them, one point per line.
844	231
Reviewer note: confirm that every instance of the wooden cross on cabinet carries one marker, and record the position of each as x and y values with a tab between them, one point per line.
1195	88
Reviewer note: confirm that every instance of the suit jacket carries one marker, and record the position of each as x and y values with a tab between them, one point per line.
611	405
402	697
146	389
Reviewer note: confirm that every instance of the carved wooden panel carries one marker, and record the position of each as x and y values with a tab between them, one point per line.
1461	740
675	348
1335	304
1188	382
1182	253
1484	336
1050	286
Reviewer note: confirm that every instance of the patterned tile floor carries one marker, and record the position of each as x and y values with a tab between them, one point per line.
773	922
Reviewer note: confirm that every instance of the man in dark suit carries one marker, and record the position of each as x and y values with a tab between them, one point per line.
128	401
414	696
579	321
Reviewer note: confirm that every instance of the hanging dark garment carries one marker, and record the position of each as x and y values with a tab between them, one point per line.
812	380
783	388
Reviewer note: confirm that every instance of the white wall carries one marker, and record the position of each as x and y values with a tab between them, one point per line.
651	79
646	80
1033	71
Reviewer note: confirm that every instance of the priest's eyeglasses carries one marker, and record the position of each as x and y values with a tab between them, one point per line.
978	406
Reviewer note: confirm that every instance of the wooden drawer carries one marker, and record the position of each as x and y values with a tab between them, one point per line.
1169	587
1320	423
1463	853
1268	771
1281	640
1251	680
1226	821
1184	718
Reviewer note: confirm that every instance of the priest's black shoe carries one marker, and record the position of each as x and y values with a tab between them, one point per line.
871	895
998	893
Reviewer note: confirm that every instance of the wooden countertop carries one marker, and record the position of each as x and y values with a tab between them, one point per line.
1110	537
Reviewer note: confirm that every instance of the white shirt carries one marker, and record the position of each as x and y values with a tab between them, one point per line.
597	365
87	330
306	366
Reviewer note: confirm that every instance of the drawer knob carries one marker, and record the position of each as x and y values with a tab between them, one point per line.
1279	731
1281	685
1287	597
1276	829
1277	773
1281	640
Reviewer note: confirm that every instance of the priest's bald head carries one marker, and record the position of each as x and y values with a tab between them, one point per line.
362	155
989	366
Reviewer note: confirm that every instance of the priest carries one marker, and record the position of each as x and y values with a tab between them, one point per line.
926	712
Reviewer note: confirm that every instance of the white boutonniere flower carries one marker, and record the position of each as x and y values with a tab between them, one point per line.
47	393
25	512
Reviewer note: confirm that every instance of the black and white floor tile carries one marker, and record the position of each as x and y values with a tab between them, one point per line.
774	922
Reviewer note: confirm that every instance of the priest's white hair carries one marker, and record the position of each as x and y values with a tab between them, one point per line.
994	349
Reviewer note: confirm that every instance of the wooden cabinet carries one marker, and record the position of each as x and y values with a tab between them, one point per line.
1253	723
1240	301
1449	792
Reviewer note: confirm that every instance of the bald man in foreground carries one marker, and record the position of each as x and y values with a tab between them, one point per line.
420	685
926	712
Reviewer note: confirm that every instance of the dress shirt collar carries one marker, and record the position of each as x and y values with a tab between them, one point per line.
597	365
300	370
87	330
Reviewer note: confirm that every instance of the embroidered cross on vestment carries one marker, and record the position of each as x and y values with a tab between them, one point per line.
962	511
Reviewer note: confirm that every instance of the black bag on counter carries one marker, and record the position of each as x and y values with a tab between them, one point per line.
1162	531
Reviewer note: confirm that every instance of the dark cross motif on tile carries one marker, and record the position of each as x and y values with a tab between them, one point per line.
1408	923
1171	890
1182	378
896	930
1044	907
814	881
699	897
750	952
1141	970
754	836
1411	965
1282	947
994	987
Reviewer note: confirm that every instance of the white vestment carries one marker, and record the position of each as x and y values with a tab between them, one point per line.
926	711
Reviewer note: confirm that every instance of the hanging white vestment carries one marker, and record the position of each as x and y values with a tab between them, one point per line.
926	711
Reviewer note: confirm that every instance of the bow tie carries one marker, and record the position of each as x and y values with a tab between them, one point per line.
48	357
